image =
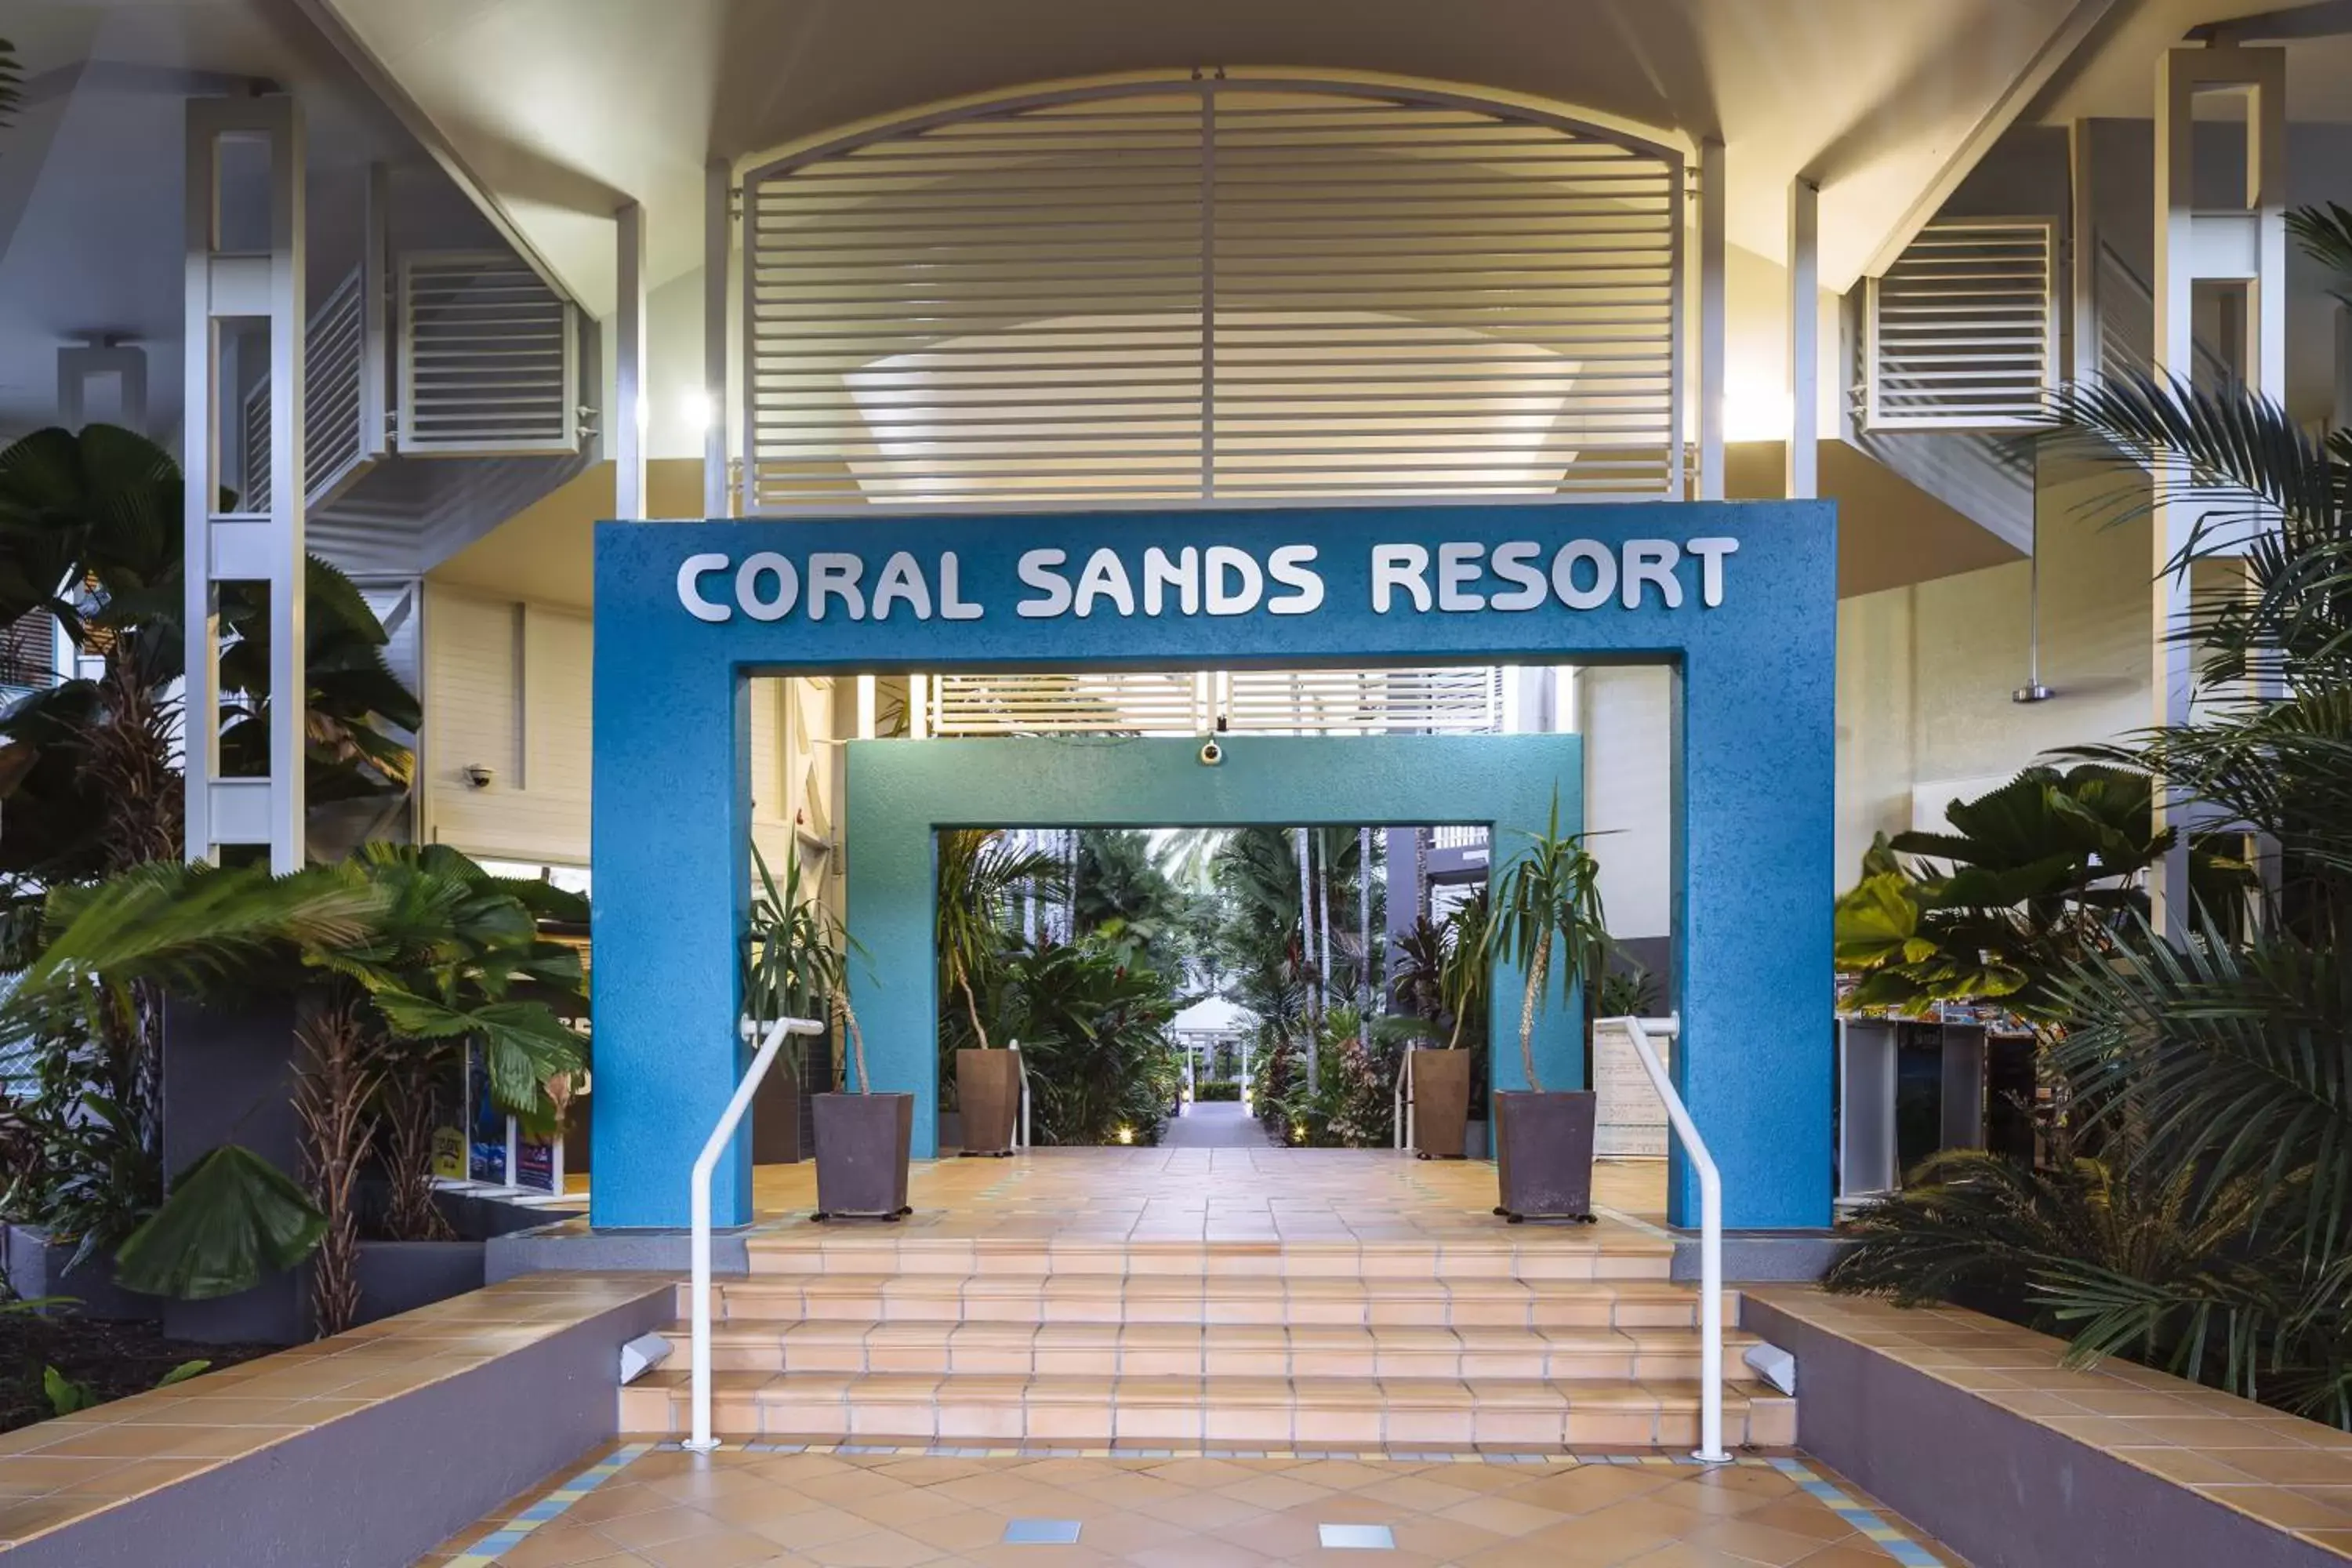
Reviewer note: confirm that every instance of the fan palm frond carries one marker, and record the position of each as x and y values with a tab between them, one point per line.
2232	1061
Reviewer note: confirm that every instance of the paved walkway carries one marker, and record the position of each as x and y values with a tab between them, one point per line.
1216	1124
782	1506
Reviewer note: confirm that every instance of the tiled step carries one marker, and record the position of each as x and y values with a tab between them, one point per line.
1234	1410
1369	1302
1607	1252
1216	1351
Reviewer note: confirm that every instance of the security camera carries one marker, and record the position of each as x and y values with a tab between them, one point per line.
478	775
1211	753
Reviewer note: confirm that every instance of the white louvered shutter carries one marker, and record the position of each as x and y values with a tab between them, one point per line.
1963	329
488	358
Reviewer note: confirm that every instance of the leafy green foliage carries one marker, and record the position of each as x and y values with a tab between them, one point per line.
233	1218
1094	1033
2029	878
2207	1070
980	872
91	532
1550	896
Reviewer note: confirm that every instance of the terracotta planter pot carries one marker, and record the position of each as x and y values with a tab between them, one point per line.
1441	1102
988	1091
863	1142
1543	1155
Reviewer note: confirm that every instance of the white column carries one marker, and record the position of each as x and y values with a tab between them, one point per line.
1802	478
2083	235
717	251
376	342
1710	319
630	411
2245	242
237	547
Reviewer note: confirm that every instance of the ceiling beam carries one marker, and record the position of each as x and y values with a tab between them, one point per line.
378	80
2056	51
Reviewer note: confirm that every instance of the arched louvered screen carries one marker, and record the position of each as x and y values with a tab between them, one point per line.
1962	330
1230	289
488	358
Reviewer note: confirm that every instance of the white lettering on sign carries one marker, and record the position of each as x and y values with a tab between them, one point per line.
1455	577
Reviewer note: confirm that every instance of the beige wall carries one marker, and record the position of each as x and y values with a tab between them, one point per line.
1624	716
1924	712
507	686
1925	673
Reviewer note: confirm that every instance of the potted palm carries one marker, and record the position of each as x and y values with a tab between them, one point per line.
979	870
1543	1140
865	1141
782	978
1441	1079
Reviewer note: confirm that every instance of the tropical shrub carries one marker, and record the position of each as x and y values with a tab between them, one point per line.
91	532
398	958
1216	1091
2205	1065
1094	1036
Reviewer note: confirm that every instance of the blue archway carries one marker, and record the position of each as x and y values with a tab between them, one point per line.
1738	600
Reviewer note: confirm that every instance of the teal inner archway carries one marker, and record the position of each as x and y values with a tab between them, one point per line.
905	792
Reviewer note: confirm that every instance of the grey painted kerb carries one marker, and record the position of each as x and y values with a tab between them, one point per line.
381	1487
2002	1490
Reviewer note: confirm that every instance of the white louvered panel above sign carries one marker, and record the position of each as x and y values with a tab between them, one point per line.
1444	701
1962	330
1260	702
488	358
1225	289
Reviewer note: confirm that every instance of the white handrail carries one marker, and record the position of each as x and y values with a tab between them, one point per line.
1022	1141
698	1209
1711	1450
1400	1115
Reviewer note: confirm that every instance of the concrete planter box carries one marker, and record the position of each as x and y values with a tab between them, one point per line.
37	1266
394	1277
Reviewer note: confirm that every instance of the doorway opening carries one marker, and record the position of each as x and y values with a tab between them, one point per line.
1252	985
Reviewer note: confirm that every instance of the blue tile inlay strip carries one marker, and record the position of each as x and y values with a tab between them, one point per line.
505	1539
1898	1545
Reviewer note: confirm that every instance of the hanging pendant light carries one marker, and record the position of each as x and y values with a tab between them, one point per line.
2033	690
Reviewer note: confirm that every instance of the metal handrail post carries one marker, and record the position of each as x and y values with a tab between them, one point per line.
699	1211
1711	1450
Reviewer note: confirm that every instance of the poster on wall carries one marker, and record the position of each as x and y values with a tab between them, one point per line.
1630	1119
488	1157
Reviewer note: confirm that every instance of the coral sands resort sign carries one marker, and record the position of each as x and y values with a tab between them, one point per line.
1046	583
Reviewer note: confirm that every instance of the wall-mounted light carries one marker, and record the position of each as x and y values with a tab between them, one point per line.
478	775
697	409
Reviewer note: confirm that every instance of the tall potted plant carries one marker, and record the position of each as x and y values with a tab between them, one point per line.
979	871
865	1141
1447	964
1543	1140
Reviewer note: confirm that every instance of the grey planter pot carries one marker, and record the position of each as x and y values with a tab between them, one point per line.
863	1145
1543	1154
1475	1142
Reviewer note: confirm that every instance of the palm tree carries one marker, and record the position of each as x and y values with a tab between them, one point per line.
1552	893
980	871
